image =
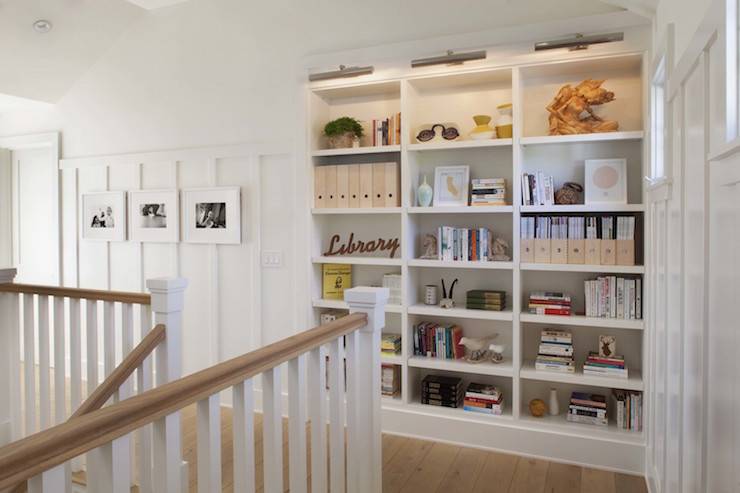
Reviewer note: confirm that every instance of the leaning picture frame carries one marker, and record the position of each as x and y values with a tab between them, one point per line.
211	215
103	216
605	181
451	186
154	216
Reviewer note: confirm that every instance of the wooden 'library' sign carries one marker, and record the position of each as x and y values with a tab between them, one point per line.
336	247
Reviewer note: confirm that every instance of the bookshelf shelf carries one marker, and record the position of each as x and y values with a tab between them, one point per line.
559	424
358	260
460	144
601	269
435	311
394	360
356	151
356	210
493	209
503	369
342	305
460	413
579	138
459	264
581	208
634	382
580	320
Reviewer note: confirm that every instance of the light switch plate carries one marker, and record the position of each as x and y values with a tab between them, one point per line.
272	258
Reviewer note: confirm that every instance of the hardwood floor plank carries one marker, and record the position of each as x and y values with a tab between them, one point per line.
496	474
391	445
596	480
530	476
461	476
430	471
405	461
627	483
563	478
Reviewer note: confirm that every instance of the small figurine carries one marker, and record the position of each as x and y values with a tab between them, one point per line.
499	249
477	347
429	247
447	301
497	352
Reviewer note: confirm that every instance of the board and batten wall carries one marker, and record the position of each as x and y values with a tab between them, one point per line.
226	313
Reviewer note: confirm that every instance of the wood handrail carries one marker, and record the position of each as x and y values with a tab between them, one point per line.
37	453
88	294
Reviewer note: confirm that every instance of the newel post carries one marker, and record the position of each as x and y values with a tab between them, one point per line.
371	301
9	363
168	301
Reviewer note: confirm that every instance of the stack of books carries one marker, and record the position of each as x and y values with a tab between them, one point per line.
549	303
390	344
488	191
385	132
483	398
588	408
604	366
538	189
463	244
390	379
438	390
629	409
614	297
555	352
485	299
438	341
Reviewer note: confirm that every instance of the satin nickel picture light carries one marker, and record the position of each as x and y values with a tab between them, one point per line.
451	58
341	73
578	42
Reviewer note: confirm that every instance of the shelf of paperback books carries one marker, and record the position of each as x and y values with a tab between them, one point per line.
421	309
503	369
354	151
342	305
634	382
490	209
459	264
602	269
460	144
580	320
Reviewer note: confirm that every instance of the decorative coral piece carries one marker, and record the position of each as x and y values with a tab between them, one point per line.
571	110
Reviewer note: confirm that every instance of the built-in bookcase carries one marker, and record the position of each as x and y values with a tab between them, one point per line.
455	95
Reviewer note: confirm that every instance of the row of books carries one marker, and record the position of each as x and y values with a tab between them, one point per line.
390	344
488	191
390	379
538	189
577	227
463	244
438	341
386	132
614	297
555	352
588	408
549	303
439	390
484	399
485	299
597	365
628	409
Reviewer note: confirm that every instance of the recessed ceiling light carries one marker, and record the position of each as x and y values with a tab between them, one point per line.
42	26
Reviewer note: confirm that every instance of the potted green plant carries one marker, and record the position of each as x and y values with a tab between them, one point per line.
342	132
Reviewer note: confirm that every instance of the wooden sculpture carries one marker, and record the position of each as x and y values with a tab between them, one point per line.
571	112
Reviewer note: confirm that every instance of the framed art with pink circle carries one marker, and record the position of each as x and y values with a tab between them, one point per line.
605	181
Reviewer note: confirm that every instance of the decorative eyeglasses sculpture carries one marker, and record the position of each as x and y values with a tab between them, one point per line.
447	133
447	301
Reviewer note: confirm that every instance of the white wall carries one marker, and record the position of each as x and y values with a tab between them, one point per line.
685	15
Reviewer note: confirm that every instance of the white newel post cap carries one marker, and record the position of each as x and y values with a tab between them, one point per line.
167	293
371	301
7	274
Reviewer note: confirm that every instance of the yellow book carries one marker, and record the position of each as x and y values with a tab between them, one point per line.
337	278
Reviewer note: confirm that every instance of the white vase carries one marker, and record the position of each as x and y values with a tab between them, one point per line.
553	406
424	194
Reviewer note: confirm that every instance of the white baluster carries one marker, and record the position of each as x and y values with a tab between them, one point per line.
10	362
108	468
75	365
336	416
29	362
297	425
144	383
353	396
44	367
243	423
317	415
272	431
51	481
167	304
60	377
91	332
209	443
127	345
371	301
109	337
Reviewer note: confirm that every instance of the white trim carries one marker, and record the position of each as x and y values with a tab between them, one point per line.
732	88
724	151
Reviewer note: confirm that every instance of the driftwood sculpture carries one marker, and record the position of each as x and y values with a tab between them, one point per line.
571	112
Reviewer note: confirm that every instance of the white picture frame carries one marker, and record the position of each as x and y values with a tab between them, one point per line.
211	215
605	181
451	186
154	216
103	216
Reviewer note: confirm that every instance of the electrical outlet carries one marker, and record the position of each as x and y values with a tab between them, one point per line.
272	258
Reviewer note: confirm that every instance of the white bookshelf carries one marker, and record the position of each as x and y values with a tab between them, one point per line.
454	94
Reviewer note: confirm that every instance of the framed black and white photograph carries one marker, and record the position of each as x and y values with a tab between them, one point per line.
451	184
104	216
212	215
154	216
